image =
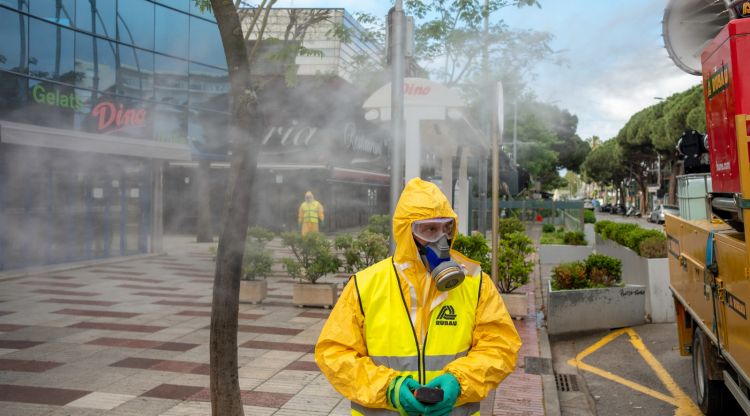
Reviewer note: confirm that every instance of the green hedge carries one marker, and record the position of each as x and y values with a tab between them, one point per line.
589	217
633	237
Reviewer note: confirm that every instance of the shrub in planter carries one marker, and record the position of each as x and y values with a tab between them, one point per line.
603	270
548	228
514	267
475	247
618	231
596	271
379	224
601	225
653	247
352	260
313	257
589	217
574	238
367	249
257	261
506	226
568	276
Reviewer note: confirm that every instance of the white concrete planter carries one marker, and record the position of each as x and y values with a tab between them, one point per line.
516	303
590	233
318	294
652	273
558	253
593	309
253	291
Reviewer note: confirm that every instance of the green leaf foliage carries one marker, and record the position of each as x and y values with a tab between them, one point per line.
589	217
380	224
475	247
597	271
364	251
313	257
513	264
257	261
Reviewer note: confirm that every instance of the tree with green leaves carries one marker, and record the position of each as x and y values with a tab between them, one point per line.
604	165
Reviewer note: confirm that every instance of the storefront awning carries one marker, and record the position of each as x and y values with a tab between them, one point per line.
31	135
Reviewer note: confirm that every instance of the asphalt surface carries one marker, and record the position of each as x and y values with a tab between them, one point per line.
616	380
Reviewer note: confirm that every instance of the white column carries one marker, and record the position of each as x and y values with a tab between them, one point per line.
413	156
461	204
447	175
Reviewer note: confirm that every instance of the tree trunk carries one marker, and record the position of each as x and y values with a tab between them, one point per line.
644	196
205	232
224	377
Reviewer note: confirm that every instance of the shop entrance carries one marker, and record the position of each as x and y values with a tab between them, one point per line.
58	207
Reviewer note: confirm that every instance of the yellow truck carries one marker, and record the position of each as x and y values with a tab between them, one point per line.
709	258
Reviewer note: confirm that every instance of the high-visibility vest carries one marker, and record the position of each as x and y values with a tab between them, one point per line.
310	212
392	341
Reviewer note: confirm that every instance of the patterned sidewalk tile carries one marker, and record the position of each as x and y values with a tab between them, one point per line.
103	401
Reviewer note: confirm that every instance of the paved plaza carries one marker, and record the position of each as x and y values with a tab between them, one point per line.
131	338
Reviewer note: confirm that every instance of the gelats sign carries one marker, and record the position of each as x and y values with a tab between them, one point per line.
55	98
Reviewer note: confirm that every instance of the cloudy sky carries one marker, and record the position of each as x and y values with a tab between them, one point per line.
615	58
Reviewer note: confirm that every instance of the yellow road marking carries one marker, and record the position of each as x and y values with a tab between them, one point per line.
678	398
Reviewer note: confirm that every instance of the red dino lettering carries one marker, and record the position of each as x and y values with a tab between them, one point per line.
114	118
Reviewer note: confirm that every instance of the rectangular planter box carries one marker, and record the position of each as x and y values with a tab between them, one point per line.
556	254
253	291
319	294
652	273
516	303
593	309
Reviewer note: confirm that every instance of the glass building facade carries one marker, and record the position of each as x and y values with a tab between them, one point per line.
94	96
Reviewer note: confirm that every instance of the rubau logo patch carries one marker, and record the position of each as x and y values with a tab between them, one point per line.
446	316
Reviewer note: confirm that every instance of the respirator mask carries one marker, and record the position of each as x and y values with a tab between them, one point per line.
433	241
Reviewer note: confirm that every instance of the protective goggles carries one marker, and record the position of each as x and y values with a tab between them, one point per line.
433	229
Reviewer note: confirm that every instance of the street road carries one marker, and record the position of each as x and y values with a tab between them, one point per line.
629	371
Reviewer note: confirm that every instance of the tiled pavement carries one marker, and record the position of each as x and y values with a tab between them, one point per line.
131	338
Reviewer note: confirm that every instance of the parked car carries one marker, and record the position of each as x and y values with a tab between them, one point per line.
657	215
605	208
587	204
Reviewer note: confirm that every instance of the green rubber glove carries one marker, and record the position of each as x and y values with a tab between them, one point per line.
401	396
451	390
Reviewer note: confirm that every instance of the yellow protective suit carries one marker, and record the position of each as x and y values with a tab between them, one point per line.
310	214
341	352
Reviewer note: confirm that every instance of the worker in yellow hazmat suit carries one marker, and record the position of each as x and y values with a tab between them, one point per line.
310	214
425	317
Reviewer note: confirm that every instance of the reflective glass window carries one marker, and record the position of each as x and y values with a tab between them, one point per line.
207	133
170	80
97	16
13	32
183	5
205	43
51	51
17	4
136	23
95	63
209	87
170	123
171	32
136	73
60	11
13	96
